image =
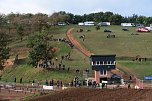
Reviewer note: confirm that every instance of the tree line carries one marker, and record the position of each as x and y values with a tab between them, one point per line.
25	24
115	19
36	21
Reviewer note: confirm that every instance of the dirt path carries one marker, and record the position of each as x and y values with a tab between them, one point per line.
6	95
88	54
77	44
8	92
86	94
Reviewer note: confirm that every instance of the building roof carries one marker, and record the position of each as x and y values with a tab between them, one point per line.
103	62
109	55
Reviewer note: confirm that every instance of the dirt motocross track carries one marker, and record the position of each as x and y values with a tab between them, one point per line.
86	94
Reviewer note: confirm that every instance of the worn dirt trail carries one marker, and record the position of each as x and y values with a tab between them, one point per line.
77	44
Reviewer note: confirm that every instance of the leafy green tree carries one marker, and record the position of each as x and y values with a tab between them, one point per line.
20	31
148	21
2	20
115	19
106	16
37	21
134	18
98	17
41	50
61	16
46	29
4	50
142	19
77	18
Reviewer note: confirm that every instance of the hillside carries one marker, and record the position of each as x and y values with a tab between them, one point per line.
124	45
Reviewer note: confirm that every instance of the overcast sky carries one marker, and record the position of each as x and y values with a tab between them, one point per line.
123	7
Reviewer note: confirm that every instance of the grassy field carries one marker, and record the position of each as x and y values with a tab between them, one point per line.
124	44
28	73
140	68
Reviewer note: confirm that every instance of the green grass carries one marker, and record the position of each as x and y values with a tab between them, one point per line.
124	44
79	61
27	73
140	68
63	48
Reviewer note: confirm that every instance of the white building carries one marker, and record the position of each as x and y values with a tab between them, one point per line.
61	23
127	24
104	24
149	28
139	25
89	23
80	23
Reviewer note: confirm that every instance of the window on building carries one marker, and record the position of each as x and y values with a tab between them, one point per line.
114	62
93	63
103	72
98	62
109	62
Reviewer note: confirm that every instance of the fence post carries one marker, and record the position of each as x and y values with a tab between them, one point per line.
142	84
151	83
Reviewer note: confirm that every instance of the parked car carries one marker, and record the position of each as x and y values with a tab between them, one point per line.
107	30
125	29
142	29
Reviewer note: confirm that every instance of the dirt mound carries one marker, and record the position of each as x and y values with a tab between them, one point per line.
8	62
85	94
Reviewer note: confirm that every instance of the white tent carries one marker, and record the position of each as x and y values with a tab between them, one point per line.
89	23
127	24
